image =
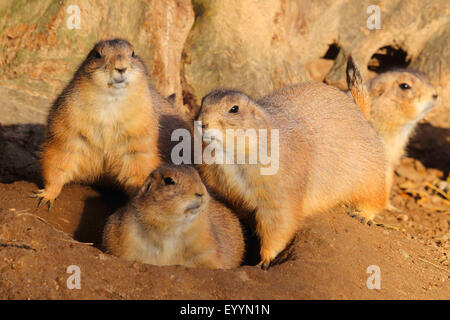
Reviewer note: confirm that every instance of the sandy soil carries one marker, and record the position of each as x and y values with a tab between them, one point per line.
328	259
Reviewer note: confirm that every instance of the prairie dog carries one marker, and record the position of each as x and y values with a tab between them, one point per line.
398	100
174	221
103	123
328	154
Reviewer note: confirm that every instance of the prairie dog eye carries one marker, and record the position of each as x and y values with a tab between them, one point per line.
404	86
97	54
234	109
132	54
168	181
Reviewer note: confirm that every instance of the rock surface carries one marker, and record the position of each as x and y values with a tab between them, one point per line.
40	52
192	47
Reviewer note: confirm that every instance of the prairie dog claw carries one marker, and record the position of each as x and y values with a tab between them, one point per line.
44	197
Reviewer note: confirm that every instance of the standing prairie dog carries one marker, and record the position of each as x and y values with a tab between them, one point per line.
396	100
103	123
173	221
328	154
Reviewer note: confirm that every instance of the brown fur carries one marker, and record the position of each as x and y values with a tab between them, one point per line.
99	126
171	117
395	112
175	224
329	154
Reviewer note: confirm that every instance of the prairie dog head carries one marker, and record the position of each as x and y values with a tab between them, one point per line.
113	65
235	112
172	196
406	96
227	109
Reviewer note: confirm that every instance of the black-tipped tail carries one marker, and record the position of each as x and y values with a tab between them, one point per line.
356	86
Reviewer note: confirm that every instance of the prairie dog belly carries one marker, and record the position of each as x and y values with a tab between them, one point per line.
157	251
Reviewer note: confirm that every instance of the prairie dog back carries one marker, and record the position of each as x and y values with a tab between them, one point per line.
317	139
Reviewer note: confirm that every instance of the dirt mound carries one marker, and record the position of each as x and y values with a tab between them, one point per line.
330	258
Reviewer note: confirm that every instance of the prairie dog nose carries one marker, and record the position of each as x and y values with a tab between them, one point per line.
199	194
121	70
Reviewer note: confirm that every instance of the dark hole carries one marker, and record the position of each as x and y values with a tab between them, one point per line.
332	52
388	58
199	9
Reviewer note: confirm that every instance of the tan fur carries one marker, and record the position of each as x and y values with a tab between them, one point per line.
100	126
329	154
175	224
395	112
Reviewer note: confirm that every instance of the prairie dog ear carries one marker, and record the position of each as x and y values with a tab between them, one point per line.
257	113
252	106
172	98
149	184
376	88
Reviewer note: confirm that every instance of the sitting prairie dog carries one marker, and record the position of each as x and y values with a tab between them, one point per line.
399	100
328	154
103	123
395	102
174	221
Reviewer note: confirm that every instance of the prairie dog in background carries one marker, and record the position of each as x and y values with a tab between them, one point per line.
102	124
174	221
397	101
328	154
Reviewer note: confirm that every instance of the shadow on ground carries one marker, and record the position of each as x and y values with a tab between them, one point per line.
431	146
